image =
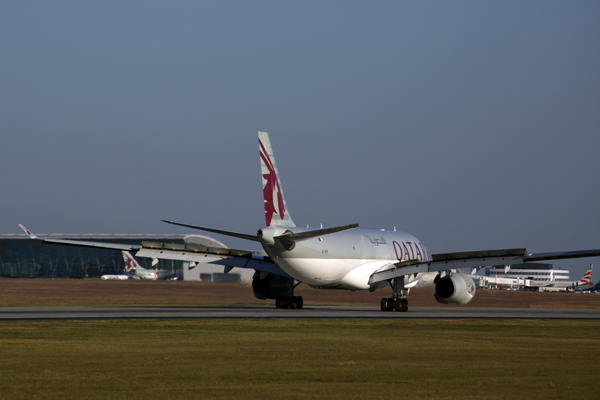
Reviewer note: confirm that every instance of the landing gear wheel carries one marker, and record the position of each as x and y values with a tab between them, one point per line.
387	304
404	305
398	305
294	302
384	304
398	300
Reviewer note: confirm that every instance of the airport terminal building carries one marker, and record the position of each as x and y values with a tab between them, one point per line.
532	271
22	257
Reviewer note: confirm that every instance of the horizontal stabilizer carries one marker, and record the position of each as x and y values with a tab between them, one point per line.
289	239
227	233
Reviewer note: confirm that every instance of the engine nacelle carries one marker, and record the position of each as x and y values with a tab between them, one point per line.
271	286
456	289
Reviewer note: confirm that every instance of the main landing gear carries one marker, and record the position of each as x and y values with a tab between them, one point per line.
270	286
389	304
398	301
285	302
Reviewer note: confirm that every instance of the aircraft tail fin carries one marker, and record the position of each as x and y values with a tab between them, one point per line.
276	211
587	277
130	263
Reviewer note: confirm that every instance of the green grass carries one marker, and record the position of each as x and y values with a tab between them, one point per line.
274	359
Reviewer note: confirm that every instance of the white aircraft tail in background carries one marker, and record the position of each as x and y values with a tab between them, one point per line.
586	280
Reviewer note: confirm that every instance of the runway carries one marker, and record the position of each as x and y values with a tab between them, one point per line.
321	312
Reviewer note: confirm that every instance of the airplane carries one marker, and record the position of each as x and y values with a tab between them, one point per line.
583	284
587	278
586	284
592	289
133	270
121	277
136	271
343	257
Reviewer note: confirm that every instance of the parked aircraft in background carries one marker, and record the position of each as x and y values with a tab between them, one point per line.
587	278
592	289
341	257
589	287
584	283
121	277
555	286
135	271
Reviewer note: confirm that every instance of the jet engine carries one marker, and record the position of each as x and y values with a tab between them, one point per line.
271	286
457	288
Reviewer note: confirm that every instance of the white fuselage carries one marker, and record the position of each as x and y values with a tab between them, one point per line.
141	273
346	259
114	277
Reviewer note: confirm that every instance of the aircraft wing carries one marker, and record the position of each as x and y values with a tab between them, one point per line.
448	261
82	243
228	258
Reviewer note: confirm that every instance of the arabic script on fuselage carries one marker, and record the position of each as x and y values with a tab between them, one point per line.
377	240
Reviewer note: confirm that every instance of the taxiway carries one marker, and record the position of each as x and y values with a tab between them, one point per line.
257	312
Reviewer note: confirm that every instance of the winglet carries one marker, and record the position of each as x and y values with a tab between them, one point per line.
28	232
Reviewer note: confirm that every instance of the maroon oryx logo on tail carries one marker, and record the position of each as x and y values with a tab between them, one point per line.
271	188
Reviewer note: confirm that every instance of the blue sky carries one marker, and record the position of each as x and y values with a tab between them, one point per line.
472	125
